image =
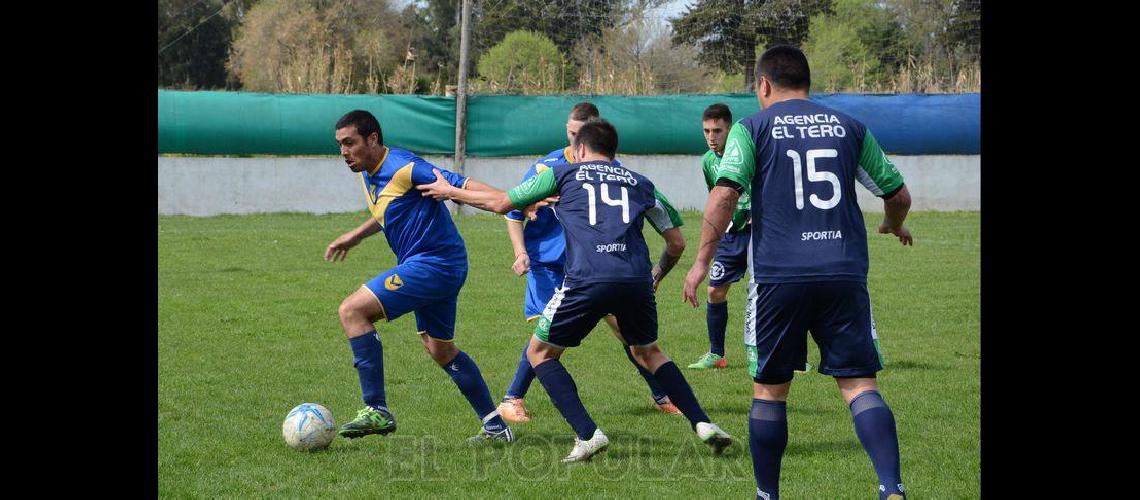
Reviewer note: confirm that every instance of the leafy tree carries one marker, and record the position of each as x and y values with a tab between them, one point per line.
839	60
963	29
563	21
524	61
637	57
943	38
194	38
855	47
728	32
434	31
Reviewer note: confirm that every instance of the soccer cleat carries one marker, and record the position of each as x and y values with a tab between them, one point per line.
667	406
512	410
484	437
369	421
713	436
709	360
584	450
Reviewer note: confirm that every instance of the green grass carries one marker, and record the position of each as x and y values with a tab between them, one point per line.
248	328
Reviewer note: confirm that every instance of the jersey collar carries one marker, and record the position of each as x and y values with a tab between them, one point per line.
375	169
569	154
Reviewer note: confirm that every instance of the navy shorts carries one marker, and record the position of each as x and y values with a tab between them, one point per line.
573	312
838	314
541	281
429	290
731	261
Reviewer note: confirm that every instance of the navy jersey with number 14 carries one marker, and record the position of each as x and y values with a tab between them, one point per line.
601	208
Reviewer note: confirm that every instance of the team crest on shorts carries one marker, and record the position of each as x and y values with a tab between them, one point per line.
717	271
393	282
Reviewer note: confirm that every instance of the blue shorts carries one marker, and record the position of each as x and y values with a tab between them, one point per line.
573	312
838	314
731	259
428	289
541	281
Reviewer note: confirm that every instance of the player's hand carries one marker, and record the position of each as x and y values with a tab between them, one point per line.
339	248
693	281
531	211
521	265
902	232
439	190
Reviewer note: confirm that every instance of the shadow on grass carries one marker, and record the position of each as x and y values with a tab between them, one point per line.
915	365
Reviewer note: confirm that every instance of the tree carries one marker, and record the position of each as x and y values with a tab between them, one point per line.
637	57
856	47
194	38
434	29
943	37
563	21
525	61
728	32
325	46
963	30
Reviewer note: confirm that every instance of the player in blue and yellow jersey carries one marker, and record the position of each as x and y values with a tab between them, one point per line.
431	267
601	207
809	259
540	253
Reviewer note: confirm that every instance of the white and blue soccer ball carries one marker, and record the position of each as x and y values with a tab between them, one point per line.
308	427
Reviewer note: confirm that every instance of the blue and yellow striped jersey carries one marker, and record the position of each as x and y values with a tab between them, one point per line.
416	227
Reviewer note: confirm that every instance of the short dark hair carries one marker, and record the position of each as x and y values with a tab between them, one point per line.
584	111
599	136
718	111
364	122
785	66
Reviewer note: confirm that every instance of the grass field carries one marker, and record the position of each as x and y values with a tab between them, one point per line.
248	328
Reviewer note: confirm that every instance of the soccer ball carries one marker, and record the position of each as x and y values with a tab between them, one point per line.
308	427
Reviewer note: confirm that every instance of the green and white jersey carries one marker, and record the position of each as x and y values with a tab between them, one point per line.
743	212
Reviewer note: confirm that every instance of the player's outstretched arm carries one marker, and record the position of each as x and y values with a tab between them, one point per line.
339	248
674	247
485	198
475	185
895	210
718	213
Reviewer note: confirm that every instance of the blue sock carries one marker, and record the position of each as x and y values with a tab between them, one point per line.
655	388
717	318
680	394
767	439
368	359
465	373
524	375
875	426
564	394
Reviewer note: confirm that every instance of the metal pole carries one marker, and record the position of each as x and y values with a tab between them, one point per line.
461	92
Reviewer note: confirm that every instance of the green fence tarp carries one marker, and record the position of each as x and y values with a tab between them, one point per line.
516	125
235	123
225	123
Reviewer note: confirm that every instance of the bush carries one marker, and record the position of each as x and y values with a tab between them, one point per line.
524	62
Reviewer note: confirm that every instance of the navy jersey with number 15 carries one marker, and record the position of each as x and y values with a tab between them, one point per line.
601	209
802	160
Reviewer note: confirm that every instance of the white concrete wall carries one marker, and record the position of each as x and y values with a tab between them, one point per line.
202	186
